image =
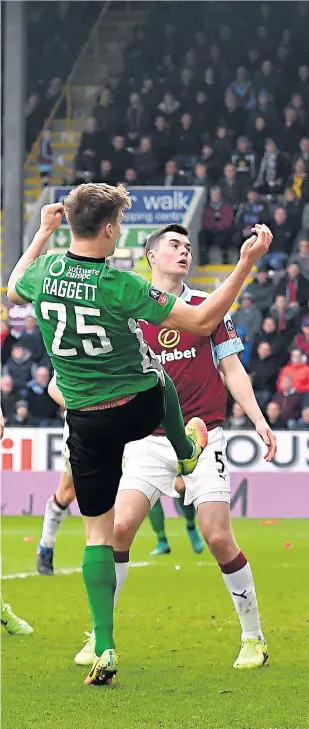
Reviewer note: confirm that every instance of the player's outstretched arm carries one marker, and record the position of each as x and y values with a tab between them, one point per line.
55	393
203	319
239	385
51	216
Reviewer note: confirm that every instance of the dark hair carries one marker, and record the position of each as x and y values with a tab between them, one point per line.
90	206
154	239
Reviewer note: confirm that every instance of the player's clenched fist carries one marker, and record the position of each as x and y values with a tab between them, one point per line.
256	246
51	216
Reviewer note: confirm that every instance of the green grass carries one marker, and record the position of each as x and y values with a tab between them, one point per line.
176	633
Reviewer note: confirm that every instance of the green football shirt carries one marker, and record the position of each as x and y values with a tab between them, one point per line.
87	313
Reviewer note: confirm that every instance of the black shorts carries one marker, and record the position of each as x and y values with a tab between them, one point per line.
96	443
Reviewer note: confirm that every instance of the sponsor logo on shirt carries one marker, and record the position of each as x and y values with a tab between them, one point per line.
81	274
176	355
169	337
158	296
231	329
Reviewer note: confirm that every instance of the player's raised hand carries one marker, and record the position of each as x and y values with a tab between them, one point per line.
269	438
257	245
51	216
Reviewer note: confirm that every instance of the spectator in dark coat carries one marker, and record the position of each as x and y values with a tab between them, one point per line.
21	417
7	342
41	406
105	113
301	340
282	242
32	340
144	161
9	397
199	176
217	226
273	172
136	120
170	177
20	367
301	257
269	333
245	163
294	287
230	188
263	369
262	291
222	145
161	140
274	416
289	401
120	158
303	423
238	419
248	214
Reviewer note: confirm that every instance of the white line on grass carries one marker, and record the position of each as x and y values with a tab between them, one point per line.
65	571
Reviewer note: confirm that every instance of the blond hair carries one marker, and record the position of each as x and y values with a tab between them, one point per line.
88	207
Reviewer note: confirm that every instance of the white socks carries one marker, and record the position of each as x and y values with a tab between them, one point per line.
122	569
54	516
238	578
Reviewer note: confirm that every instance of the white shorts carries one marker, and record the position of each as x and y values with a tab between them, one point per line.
150	467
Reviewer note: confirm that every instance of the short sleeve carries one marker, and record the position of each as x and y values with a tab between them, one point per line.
225	339
142	300
25	284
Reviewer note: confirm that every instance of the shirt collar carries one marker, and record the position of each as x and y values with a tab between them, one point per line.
186	294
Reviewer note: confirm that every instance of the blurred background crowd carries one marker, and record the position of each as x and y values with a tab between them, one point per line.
213	98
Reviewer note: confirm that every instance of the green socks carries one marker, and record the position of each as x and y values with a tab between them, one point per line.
100	581
187	511
157	519
173	425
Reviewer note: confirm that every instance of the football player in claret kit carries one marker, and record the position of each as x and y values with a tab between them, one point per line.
113	388
150	465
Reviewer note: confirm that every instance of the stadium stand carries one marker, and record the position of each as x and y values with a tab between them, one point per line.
211	105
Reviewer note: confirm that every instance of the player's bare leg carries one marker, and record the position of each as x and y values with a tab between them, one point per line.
56	510
215	524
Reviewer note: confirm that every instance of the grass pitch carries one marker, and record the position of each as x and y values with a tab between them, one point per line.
176	632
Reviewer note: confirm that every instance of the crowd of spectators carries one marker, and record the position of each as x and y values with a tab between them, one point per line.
26	372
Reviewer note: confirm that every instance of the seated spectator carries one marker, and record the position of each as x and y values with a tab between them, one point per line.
286	316
298	372
262	291
105	113
222	145
238	419
294	208
106	172
187	142
289	401
305	219
273	171
245	164
161	140
245	355
267	78
19	367
149	94
230	188
303	422
302	257
120	158
169	108
243	89
209	158
263	369
90	139
248	316
295	287
171	176
21	417
258	135
301	340
264	108
302	83
304	152
7	342
130	177
136	120
249	213
274	416
290	132
217	226
202	113
277	340
41	406
144	161
199	176
32	340
298	177
235	115
282	242
9	397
